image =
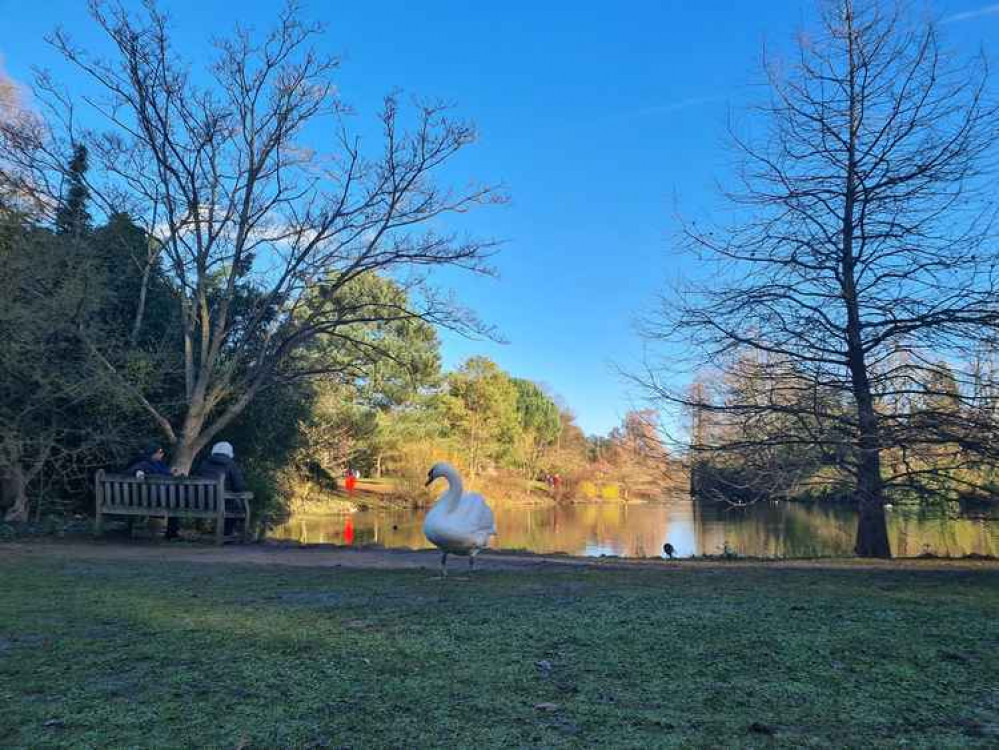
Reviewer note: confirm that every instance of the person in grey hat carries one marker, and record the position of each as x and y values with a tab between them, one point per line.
222	463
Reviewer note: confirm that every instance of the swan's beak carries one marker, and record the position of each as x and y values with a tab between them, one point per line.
430	481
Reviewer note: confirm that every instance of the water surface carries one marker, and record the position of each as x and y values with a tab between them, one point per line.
778	529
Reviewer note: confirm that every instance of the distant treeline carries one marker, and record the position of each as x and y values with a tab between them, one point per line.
766	430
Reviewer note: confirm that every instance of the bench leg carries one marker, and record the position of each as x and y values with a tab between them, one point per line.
246	522
98	502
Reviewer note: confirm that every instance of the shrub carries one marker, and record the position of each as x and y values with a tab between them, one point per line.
610	492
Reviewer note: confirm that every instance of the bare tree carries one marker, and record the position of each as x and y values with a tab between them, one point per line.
260	232
9	98
863	229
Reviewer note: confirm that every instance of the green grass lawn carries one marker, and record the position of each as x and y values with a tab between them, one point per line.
94	654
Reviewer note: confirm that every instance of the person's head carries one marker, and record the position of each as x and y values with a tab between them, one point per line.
155	452
223	449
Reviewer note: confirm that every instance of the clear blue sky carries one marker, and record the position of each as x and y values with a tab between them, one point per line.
597	117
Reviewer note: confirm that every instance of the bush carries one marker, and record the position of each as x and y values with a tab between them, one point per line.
610	492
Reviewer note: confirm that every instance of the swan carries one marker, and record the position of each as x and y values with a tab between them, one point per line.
460	522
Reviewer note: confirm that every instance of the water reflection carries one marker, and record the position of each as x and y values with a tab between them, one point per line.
640	530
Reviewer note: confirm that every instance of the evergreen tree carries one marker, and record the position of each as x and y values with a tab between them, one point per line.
72	217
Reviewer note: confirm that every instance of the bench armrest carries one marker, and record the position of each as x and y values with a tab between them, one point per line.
244	498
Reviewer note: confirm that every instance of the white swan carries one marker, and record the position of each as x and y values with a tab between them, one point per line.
460	522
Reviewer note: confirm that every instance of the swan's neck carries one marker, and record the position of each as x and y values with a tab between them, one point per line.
454	489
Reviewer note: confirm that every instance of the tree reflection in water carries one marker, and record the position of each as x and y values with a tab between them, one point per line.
777	529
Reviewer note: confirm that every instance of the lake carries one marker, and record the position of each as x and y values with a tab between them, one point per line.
777	529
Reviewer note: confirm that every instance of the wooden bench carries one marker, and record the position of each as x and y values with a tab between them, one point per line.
170	497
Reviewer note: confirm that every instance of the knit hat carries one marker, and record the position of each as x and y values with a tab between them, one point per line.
222	449
152	448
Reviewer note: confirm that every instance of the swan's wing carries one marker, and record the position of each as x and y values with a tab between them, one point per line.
478	513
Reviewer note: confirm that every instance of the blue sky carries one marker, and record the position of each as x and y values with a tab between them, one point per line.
599	118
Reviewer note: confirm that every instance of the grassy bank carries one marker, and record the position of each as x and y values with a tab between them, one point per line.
97	653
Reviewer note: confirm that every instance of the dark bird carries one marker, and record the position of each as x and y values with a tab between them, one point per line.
668	549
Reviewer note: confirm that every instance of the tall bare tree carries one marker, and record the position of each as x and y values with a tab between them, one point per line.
260	229
863	229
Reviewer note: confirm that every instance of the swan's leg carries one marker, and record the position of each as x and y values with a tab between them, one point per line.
471	563
444	565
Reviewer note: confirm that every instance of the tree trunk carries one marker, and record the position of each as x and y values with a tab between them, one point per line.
187	447
183	456
872	531
872	528
15	491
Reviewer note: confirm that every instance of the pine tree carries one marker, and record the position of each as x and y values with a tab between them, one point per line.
72	218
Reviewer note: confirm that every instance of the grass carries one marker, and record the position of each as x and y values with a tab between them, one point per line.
98	654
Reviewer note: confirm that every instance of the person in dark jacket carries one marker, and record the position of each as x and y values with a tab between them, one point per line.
150	462
222	463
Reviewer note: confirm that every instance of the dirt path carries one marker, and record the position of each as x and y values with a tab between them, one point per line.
376	558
